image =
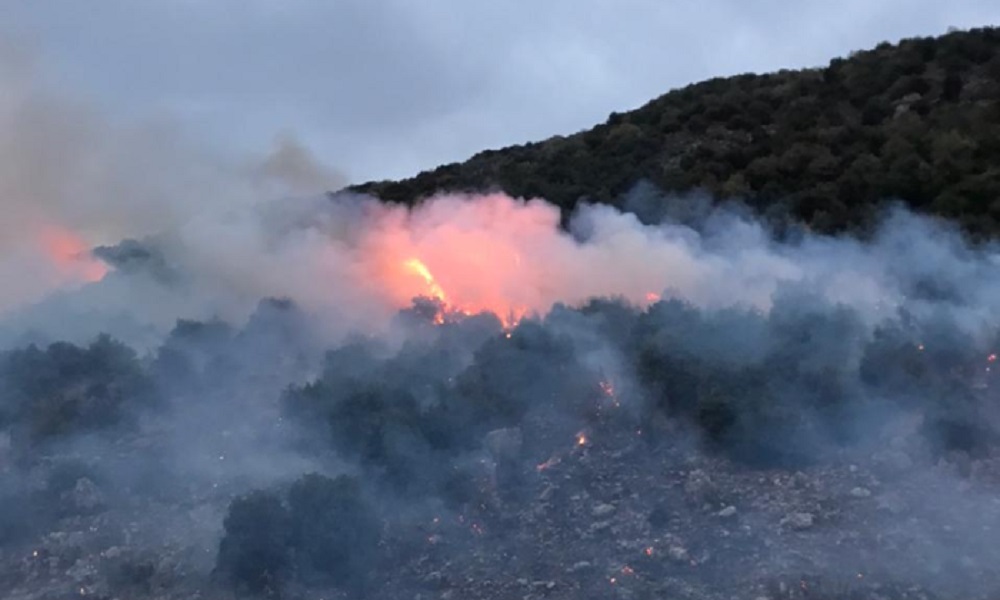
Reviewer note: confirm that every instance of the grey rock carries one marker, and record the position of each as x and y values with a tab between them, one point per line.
600	526
603	510
85	497
436	579
578	567
798	521
891	503
678	553
727	512
861	492
699	485
505	444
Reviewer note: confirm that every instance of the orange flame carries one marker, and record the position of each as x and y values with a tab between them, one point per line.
417	266
495	254
70	255
508	315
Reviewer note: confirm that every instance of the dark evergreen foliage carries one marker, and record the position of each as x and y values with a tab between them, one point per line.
917	121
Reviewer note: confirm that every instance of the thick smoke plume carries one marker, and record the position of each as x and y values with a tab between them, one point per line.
71	178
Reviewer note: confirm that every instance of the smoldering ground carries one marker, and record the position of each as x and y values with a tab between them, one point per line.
581	361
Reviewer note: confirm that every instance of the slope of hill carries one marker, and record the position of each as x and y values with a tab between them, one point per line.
917	121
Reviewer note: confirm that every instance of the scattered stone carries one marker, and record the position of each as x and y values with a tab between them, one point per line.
729	511
544	585
85	497
583	565
798	521
505	444
860	492
891	503
678	554
699	485
436	579
600	526
603	510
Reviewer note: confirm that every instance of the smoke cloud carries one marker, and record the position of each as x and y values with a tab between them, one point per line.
72	178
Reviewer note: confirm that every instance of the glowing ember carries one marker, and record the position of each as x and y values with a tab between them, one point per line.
555	460
648	551
70	255
627	570
652	297
991	358
581	439
608	389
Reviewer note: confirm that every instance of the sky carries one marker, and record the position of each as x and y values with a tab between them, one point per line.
385	88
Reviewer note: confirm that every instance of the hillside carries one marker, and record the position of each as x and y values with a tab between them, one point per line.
917	121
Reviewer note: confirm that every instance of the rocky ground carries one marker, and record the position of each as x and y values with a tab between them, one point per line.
613	512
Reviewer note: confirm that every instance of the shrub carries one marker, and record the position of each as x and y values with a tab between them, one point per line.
334	533
254	553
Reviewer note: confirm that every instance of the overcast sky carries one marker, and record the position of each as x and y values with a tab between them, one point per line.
385	88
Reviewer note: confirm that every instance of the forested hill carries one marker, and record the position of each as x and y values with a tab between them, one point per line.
917	121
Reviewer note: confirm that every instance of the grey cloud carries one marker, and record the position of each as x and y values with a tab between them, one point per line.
387	88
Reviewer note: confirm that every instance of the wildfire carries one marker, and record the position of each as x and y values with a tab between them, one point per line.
415	265
508	315
70	255
496	254
581	440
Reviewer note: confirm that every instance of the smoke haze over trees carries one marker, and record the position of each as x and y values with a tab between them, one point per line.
486	396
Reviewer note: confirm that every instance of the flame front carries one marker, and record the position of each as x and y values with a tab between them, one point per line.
498	255
417	266
508	315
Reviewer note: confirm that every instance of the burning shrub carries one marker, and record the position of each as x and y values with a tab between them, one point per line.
334	533
254	552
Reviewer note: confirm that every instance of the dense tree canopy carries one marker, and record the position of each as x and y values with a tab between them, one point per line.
917	121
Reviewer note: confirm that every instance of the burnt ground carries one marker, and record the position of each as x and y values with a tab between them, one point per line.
618	512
